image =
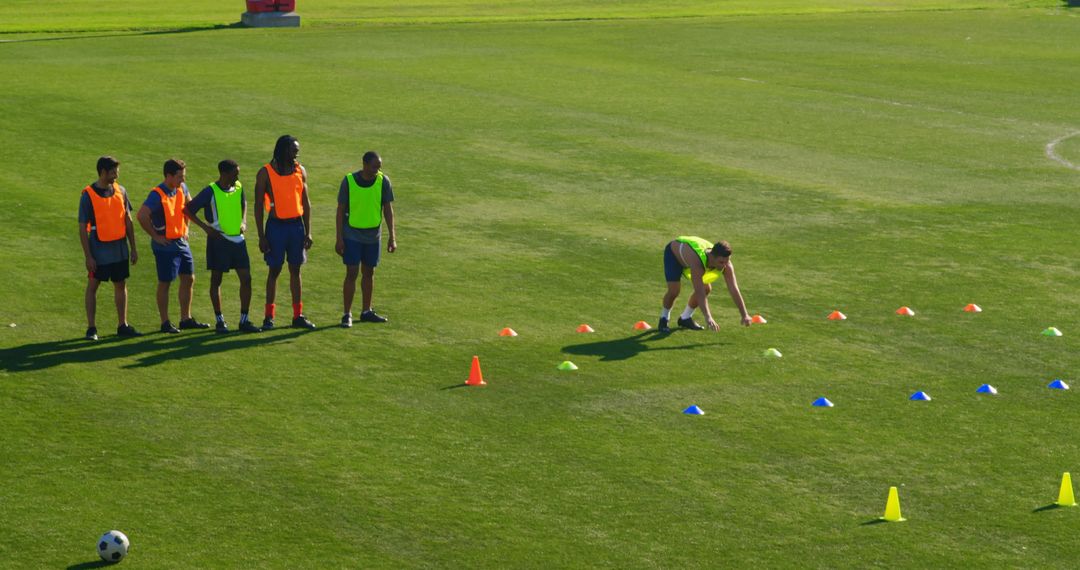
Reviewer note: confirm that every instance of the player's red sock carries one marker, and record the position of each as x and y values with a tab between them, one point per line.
297	309
270	310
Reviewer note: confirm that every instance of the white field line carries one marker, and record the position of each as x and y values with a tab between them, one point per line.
1051	151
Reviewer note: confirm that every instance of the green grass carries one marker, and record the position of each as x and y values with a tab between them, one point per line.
81	15
882	156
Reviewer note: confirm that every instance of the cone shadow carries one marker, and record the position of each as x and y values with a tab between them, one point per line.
874	521
1050	507
462	385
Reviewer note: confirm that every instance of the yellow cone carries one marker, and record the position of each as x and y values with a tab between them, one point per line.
892	507
1065	496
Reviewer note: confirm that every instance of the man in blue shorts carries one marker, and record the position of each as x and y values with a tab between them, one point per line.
162	217
703	262
365	199
225	210
107	237
281	190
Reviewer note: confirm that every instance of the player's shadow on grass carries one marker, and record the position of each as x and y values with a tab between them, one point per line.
183	30
624	348
148	350
89	565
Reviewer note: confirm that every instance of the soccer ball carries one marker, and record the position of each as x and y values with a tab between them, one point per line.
113	546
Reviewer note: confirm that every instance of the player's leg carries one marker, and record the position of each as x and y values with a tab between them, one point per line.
183	294
186	292
672	275
162	298
92	285
296	286
686	319
275	260
367	286
348	292
369	260
120	298
215	291
216	277
244	274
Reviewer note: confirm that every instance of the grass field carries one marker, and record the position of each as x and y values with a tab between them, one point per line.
858	155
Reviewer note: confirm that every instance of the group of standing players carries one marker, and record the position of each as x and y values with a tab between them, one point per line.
282	218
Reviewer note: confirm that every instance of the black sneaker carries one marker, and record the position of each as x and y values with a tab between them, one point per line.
690	324
346	320
663	326
249	327
191	323
127	330
301	322
166	327
371	317
220	327
91	333
268	324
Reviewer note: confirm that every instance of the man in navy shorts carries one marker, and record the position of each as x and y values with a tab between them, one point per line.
107	237
702	262
225	210
162	217
365	199
281	192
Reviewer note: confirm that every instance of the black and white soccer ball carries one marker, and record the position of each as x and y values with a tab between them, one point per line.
113	546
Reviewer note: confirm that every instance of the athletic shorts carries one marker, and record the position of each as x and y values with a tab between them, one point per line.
170	264
357	253
115	272
286	239
223	255
672	268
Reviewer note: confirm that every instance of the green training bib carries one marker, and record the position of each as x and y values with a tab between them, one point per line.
228	211
365	204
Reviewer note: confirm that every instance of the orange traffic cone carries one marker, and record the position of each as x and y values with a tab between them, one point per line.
508	332
475	377
758	320
837	316
585	329
972	308
905	311
642	326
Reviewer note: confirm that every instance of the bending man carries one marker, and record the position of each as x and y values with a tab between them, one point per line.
702	262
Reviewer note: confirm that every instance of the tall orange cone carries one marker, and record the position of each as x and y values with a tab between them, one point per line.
585	329
475	377
837	316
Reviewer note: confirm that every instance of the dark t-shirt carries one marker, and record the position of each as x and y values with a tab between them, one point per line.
105	252
206	202
157	218
368	235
